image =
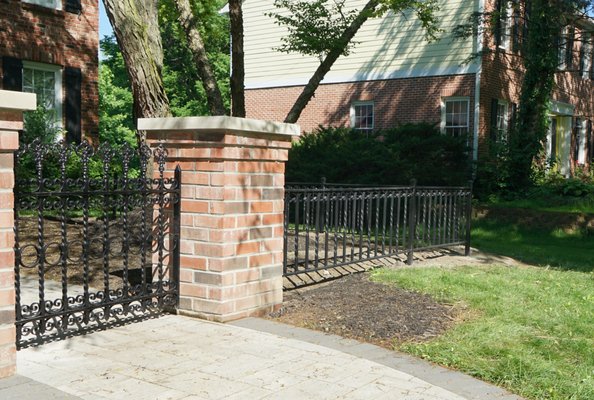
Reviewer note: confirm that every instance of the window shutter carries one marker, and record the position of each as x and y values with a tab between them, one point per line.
575	140
494	133
590	136
73	6
516	26
512	118
592	58
582	58
13	74
569	48
527	10
72	110
498	27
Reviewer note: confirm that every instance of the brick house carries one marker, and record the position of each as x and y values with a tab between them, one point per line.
50	47
393	76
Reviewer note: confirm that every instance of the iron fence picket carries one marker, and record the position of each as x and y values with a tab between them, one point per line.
348	225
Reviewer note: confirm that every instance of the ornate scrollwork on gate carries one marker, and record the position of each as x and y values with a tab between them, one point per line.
94	230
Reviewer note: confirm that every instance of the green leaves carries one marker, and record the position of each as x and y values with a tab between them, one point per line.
315	27
115	110
389	157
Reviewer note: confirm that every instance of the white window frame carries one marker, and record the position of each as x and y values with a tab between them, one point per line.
53	4
502	131
444	101
582	141
57	70
353	114
506	26
587	53
562	54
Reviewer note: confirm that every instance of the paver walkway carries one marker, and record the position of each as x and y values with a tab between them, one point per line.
175	357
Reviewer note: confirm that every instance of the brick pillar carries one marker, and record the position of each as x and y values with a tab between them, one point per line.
12	105
232	211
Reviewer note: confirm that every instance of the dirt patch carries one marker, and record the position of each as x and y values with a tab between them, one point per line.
354	307
106	259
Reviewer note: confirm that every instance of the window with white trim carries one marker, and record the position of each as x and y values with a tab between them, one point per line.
46	82
505	24
586	58
55	4
562	55
582	140
362	116
455	116
566	41
502	120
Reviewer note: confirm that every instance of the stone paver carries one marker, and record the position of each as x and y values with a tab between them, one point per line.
174	357
456	382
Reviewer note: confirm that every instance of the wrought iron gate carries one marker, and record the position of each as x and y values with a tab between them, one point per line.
97	238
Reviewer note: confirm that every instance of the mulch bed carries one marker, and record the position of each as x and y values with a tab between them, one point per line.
354	307
28	231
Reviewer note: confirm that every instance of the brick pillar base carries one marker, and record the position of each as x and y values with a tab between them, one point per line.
232	211
12	105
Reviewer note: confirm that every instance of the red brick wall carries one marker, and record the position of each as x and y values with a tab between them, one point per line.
34	33
396	101
10	123
232	202
502	78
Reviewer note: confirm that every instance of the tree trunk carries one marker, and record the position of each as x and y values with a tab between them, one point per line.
196	44
237	61
329	60
136	27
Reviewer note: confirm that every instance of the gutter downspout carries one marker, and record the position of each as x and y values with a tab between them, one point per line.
477	88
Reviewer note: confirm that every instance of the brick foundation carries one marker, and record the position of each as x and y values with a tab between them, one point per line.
12	105
396	101
231	211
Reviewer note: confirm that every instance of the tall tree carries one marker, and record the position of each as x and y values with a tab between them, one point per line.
237	59
184	87
135	24
188	21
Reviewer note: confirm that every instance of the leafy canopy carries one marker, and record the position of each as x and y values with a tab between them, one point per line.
316	28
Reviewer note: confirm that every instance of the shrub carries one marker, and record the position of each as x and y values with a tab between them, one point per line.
390	157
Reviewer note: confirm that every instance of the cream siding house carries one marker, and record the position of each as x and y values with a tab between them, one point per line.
390	47
394	76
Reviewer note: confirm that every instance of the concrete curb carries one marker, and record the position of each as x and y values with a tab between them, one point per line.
455	382
23	388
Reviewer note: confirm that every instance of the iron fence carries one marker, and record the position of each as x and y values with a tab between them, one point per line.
329	226
97	233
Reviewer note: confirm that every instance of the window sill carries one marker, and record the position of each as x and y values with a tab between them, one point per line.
39	9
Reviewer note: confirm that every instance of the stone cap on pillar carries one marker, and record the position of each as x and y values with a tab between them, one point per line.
221	125
12	105
17	101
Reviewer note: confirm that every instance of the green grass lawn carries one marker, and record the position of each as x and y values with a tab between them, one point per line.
553	247
529	329
560	204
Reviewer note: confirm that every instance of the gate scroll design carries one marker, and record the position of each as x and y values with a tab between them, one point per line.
96	238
